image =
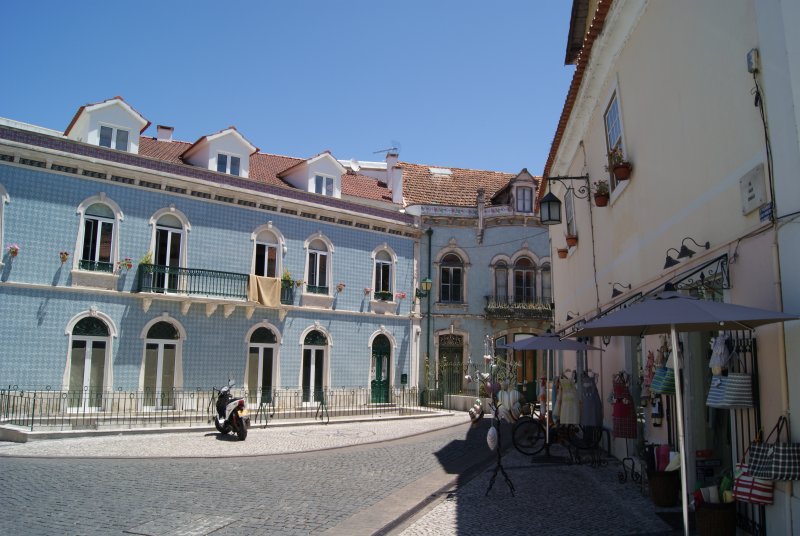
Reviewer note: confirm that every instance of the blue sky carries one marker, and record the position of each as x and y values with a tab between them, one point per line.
457	83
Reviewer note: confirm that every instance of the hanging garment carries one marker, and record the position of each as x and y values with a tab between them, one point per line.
649	370
591	405
568	402
623	411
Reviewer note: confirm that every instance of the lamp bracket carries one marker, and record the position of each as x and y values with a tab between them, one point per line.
583	190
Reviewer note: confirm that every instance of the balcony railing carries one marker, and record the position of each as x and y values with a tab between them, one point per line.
315	289
95	266
383	295
287	292
506	307
191	281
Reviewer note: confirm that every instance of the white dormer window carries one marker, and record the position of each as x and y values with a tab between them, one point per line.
113	138
323	185
228	164
524	199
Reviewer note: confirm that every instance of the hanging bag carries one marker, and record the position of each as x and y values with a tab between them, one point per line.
663	381
748	488
776	461
734	391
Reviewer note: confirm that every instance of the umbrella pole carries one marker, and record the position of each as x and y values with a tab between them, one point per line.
681	441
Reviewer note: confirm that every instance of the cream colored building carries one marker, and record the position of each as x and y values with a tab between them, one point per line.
703	99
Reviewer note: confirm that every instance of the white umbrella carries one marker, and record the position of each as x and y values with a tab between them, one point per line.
672	312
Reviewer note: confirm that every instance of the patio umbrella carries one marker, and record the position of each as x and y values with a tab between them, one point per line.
672	312
548	341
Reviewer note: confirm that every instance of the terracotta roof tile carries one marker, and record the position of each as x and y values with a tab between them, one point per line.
460	188
365	187
169	151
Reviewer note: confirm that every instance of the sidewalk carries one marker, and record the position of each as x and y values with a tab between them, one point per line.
279	437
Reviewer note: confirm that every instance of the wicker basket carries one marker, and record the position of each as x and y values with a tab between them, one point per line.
716	519
665	487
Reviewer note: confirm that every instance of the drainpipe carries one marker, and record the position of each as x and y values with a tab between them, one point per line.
429	232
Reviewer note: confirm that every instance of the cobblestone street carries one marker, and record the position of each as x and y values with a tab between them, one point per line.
407	482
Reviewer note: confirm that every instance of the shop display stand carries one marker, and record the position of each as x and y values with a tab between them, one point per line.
499	466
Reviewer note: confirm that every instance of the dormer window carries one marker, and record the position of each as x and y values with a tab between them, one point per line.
114	138
323	185
228	164
524	199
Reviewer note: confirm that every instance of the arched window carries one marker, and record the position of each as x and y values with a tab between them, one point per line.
168	251
318	268
524	281
313	371
161	363
383	275
89	362
261	365
267	261
451	279
501	281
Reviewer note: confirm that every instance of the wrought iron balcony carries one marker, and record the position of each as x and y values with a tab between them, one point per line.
95	266
507	307
383	295
287	292
191	281
315	289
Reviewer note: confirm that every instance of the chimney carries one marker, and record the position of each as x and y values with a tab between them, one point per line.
164	133
394	176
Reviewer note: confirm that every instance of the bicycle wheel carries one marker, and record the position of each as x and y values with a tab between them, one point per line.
584	437
527	435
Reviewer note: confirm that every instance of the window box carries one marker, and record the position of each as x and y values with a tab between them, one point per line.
382	307
383	295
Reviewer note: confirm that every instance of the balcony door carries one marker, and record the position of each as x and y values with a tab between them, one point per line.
315	347
169	241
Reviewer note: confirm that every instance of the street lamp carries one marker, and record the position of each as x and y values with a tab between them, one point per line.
550	205
424	287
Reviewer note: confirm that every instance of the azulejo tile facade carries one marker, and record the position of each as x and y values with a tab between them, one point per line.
189	264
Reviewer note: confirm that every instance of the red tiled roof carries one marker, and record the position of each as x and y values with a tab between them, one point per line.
169	151
422	187
365	187
582	61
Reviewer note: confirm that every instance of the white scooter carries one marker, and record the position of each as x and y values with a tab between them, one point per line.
231	414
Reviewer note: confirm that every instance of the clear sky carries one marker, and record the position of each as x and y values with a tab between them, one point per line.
461	83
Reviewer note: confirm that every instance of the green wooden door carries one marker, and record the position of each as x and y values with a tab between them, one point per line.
381	351
451	364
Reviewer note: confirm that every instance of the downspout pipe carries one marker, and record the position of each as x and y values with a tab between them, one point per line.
429	232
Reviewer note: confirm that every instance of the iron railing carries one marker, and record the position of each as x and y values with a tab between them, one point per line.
507	307
95	266
316	289
383	295
191	281
50	410
287	292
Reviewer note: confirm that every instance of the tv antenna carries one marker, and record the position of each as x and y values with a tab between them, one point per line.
395	148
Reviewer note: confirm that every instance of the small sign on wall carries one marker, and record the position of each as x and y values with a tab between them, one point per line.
752	189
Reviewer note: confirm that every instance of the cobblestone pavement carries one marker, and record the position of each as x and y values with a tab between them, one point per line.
393	479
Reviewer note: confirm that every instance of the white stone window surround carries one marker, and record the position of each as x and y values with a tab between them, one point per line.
187	227
276	348
313	299
115	129
452	247
538	265
393	352
326	370
613	98
164	317
108	378
268	235
92	278
229	167
524	199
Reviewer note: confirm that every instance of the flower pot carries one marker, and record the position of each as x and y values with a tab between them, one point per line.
601	200
622	171
572	241
562	253
63	257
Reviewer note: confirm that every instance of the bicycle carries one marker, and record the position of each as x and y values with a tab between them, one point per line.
529	437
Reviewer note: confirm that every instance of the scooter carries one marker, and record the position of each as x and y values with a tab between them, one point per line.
231	414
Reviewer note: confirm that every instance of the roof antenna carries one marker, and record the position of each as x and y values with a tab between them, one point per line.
396	146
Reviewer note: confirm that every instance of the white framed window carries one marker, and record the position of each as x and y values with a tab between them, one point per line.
547	284
383	273
114	138
162	363
88	372
314	373
267	261
323	185
451	281
170	229
318	268
501	281
230	164
3	200
261	370
613	127
97	246
524	281
524	199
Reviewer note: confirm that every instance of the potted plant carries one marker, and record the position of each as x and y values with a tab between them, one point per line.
562	253
367	290
383	295
601	193
298	283
340	287
572	240
13	250
617	164
286	278
400	296
63	255
125	264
